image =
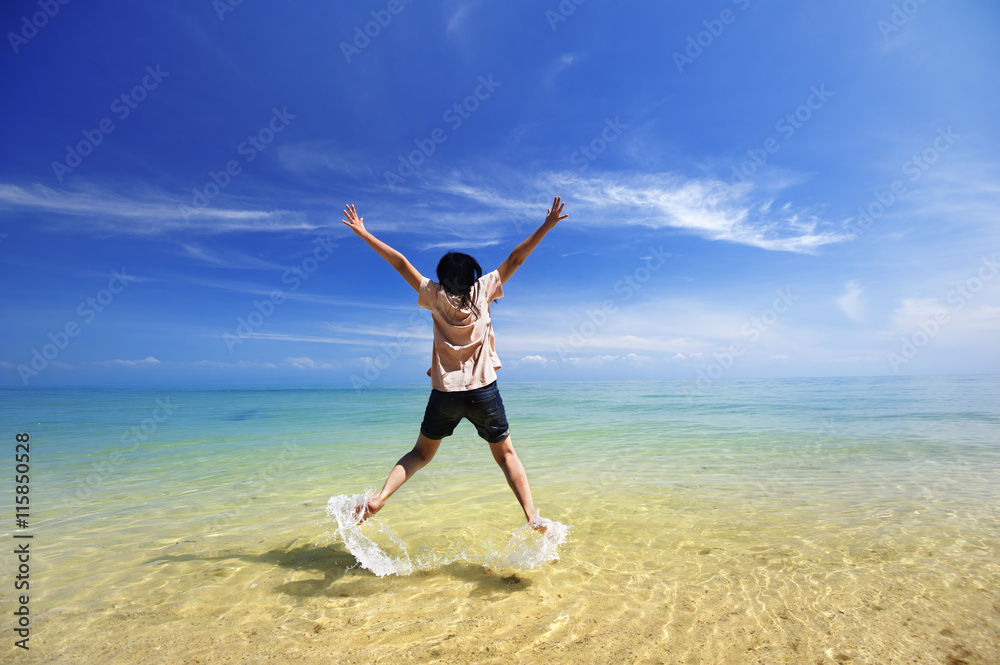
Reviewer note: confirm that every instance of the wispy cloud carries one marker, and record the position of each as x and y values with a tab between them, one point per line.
557	67
360	333
269	289
306	362
287	337
311	156
149	361
912	311
711	208
631	359
708	207
151	213
458	15
850	301
457	204
466	244
241	364
231	259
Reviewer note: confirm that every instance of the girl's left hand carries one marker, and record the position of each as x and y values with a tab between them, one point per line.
355	223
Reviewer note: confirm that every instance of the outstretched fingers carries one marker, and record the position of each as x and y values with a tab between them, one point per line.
554	214
355	223
350	213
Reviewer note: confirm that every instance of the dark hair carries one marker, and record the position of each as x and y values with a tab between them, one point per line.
457	272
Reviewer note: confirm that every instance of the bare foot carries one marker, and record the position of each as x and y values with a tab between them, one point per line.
538	525
363	511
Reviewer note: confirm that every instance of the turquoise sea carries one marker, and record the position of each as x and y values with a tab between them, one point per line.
833	520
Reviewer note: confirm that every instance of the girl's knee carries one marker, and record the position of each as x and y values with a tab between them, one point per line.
503	452
426	448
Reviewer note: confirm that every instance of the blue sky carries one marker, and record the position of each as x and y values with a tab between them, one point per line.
755	189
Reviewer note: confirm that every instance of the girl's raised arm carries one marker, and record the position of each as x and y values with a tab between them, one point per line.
521	252
395	259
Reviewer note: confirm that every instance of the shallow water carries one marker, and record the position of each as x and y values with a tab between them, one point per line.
376	548
820	520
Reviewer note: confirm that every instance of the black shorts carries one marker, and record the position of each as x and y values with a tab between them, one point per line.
482	406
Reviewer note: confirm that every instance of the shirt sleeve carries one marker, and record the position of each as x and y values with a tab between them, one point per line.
493	286
427	293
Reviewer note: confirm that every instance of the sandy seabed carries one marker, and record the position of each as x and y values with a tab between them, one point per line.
733	538
618	594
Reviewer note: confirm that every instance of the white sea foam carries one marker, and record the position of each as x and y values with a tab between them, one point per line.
377	557
379	550
528	549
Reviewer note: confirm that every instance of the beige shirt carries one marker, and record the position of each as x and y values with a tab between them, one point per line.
464	356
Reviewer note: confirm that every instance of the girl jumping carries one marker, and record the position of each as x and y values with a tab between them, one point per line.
463	359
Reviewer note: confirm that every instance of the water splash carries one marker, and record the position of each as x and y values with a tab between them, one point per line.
379	550
377	557
528	549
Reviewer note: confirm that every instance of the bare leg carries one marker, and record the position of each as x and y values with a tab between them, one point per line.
422	453
503	453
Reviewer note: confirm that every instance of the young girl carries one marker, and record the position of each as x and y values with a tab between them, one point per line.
463	360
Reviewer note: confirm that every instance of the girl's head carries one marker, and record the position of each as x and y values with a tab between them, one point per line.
457	272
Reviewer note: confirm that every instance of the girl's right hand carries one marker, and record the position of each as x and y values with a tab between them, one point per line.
355	223
553	216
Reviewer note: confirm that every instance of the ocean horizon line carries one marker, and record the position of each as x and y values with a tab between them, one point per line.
392	384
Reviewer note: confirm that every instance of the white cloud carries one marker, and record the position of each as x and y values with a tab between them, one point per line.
149	214
459	16
308	156
308	363
242	364
149	361
708	207
912	311
557	67
287	337
850	301
232	258
400	334
631	360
